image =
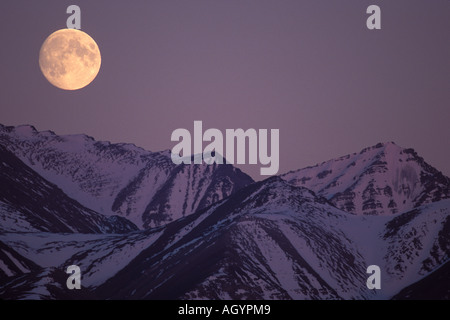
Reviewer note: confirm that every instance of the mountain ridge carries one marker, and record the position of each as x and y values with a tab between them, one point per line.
31	203
121	179
380	180
211	232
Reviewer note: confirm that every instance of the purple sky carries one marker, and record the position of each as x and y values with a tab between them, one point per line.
309	68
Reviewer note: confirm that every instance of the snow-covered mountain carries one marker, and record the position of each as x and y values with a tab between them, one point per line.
122	179
212	233
272	240
381	180
29	203
277	241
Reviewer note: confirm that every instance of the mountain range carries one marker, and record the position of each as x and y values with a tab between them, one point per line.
141	227
122	179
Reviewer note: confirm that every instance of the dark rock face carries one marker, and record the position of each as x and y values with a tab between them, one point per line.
433	287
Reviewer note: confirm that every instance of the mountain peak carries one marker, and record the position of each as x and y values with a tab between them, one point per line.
382	146
27	132
122	179
380	180
285	237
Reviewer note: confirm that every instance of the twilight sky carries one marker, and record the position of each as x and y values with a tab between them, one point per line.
309	68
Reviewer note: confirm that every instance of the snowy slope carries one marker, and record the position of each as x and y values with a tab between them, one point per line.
418	242
273	239
380	180
43	284
30	203
98	256
189	188
277	241
270	241
145	187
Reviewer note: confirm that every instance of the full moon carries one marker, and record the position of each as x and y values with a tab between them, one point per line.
70	59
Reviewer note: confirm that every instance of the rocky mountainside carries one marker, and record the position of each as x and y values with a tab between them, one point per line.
122	179
277	241
209	232
272	240
381	180
29	203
